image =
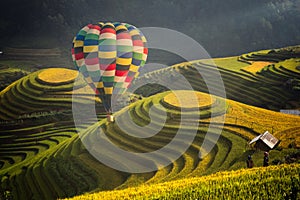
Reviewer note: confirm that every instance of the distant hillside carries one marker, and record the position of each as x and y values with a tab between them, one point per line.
9	75
268	79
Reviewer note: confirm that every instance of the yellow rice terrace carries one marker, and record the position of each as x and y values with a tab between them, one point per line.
276	182
57	75
182	99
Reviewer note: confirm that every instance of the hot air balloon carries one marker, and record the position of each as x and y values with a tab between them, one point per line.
109	55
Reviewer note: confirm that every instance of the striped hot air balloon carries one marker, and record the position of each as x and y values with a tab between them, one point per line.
109	56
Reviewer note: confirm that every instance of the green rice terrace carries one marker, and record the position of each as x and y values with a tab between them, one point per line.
43	157
268	78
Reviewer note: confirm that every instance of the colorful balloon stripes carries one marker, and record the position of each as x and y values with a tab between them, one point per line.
109	56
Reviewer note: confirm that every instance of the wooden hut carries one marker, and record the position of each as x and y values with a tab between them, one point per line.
265	141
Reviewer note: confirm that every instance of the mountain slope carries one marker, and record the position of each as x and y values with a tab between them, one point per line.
42	155
250	183
67	169
268	79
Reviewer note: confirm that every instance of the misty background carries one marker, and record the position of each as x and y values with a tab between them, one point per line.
223	28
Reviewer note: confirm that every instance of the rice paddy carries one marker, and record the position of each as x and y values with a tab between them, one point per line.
42	155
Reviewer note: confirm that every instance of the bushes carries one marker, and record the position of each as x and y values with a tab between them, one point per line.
9	75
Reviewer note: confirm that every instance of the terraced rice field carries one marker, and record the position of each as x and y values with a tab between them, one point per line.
224	185
34	95
274	55
42	155
36	120
267	86
52	161
256	66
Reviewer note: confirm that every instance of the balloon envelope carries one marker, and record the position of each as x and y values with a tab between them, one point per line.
109	55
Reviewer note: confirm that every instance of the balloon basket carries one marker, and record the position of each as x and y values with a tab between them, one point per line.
110	118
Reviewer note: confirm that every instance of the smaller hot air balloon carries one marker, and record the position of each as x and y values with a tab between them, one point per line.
109	55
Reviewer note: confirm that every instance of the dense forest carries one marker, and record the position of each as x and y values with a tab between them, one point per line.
223	28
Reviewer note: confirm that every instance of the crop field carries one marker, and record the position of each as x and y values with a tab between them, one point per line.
274	86
277	182
35	94
36	119
201	99
61	148
42	155
256	66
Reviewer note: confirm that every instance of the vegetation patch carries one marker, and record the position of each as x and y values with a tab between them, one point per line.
256	66
273	86
57	76
276	182
188	99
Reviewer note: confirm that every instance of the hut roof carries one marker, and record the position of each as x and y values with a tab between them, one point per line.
266	138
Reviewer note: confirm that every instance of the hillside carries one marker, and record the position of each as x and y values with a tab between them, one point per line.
268	79
44	154
66	169
229	185
46	91
36	113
